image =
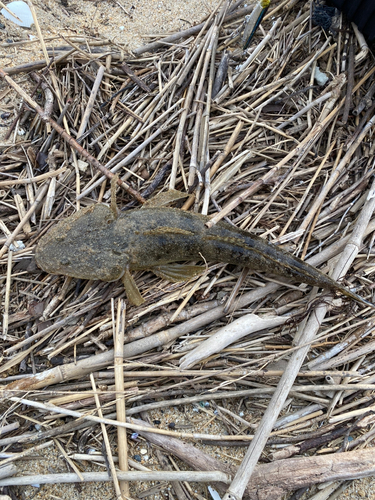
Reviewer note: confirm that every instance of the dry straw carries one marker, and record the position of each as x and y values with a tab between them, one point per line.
250	138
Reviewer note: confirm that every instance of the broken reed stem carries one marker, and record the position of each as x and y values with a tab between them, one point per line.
27	452
7	295
136	476
68	459
90	104
186	108
335	175
34	206
68	138
37	178
119	385
112	467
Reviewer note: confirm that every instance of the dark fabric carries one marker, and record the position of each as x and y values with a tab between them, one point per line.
360	12
323	15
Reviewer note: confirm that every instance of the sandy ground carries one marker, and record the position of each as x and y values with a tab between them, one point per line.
131	24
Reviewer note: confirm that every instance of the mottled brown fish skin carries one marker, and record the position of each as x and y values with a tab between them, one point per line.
94	244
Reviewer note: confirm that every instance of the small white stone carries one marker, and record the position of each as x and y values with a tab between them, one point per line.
143	451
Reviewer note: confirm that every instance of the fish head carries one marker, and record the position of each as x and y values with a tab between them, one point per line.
81	246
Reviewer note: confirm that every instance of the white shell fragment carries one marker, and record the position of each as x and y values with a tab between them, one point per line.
19	246
22	11
214	494
320	77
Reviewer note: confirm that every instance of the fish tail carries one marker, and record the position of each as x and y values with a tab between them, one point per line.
354	296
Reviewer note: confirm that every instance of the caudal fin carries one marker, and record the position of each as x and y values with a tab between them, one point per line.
355	297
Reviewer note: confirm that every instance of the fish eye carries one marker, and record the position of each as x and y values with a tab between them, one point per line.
65	262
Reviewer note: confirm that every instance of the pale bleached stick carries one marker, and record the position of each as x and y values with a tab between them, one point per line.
91	101
352	414
340	346
107	444
137	476
29	213
7	295
25	453
305	109
102	458
122	443
22	212
229	372
8	470
229	334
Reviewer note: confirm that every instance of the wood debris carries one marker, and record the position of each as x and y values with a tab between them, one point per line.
250	137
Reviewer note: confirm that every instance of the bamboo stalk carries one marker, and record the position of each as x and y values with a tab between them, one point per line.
59	478
119	384
37	178
7	295
106	442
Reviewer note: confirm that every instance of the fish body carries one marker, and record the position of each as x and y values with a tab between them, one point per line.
95	244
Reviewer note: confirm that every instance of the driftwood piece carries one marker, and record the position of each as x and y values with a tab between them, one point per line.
8	471
227	335
206	477
271	481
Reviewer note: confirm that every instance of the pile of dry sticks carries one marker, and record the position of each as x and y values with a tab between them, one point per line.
252	137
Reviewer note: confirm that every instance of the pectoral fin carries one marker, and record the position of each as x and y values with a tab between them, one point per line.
131	289
177	272
164	199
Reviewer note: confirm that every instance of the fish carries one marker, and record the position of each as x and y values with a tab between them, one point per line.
97	244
